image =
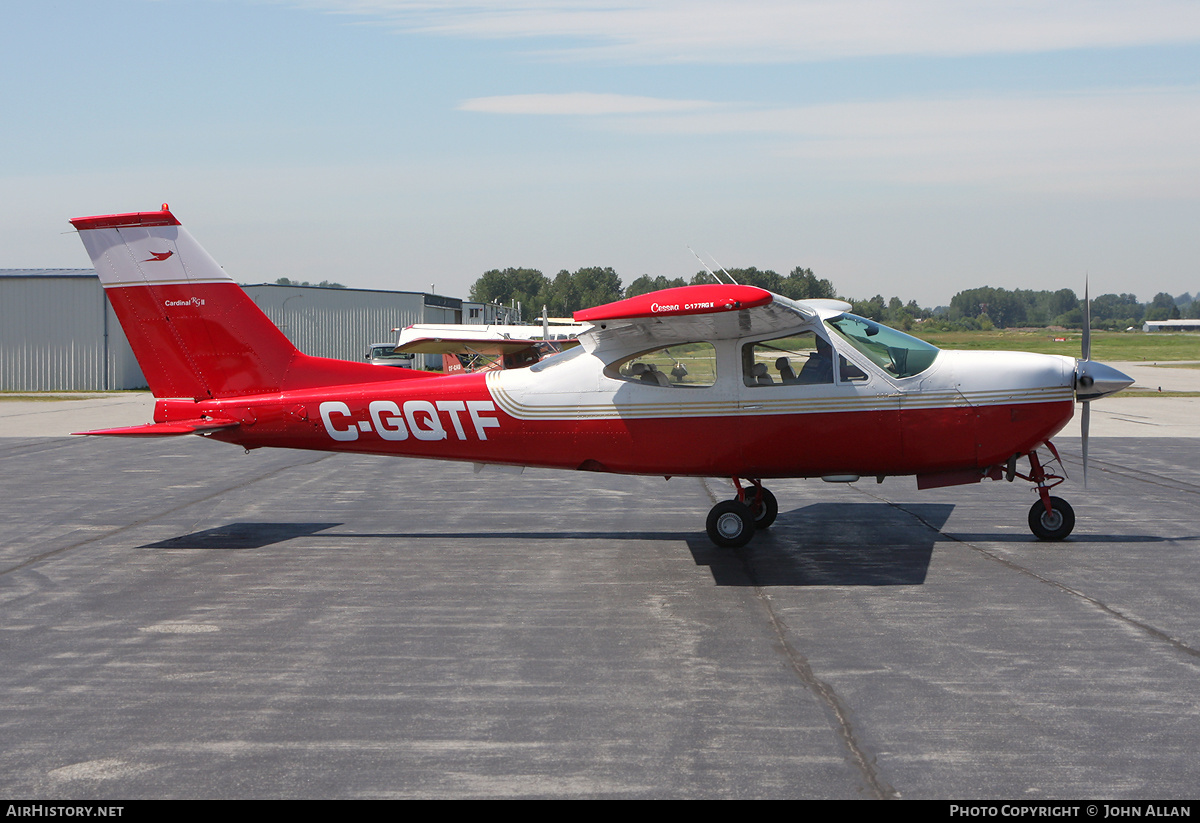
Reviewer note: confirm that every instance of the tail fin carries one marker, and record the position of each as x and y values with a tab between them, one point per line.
193	330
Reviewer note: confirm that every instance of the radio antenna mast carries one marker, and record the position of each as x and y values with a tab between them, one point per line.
722	268
710	271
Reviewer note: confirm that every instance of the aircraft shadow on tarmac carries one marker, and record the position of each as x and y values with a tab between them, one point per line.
825	544
833	544
1079	536
260	535
241	536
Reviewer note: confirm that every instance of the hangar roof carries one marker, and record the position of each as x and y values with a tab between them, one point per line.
47	272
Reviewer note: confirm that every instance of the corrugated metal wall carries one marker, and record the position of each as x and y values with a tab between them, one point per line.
58	333
344	322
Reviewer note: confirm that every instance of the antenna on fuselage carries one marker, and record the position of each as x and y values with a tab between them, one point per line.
722	268
710	271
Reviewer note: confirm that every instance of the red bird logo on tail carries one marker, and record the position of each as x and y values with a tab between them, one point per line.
158	256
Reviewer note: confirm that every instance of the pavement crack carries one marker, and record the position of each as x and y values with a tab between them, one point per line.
837	711
857	753
1141	626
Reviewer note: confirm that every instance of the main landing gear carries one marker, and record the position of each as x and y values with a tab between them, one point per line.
1050	518
731	523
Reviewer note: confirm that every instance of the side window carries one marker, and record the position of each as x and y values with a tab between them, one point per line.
798	359
686	365
850	373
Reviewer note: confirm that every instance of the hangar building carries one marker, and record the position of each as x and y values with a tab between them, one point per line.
59	333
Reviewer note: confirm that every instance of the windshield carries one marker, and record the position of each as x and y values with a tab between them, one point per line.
555	359
390	353
897	353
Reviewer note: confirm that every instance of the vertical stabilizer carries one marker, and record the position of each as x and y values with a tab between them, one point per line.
195	333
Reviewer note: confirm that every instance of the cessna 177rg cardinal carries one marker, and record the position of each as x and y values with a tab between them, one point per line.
715	380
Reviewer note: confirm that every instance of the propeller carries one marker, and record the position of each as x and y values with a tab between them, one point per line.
1085	418
1093	380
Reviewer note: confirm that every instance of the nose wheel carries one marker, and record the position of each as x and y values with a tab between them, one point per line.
1054	524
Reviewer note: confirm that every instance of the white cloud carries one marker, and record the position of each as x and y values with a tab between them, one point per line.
1139	142
759	31
579	103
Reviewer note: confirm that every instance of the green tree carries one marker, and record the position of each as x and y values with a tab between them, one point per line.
871	309
324	284
595	286
1162	307
525	286
646	284
802	284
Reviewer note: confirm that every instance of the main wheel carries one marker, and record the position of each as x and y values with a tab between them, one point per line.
730	524
1055	524
765	510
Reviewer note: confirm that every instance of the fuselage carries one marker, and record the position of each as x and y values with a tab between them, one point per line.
966	410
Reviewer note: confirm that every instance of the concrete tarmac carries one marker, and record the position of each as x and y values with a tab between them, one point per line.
186	620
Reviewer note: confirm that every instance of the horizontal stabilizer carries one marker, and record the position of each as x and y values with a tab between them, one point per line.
175	427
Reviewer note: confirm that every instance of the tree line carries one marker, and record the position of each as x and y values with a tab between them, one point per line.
1000	308
568	292
970	309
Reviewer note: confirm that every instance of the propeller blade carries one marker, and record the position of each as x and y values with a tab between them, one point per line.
1085	421
1087	322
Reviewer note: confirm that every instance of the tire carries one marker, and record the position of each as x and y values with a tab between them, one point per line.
730	524
1054	525
766	511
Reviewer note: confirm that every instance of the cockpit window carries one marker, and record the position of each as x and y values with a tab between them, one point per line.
897	353
805	358
685	365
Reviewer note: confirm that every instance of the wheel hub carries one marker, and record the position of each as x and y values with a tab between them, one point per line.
729	525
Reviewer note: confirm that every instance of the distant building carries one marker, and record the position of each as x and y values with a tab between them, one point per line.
490	314
59	333
1171	325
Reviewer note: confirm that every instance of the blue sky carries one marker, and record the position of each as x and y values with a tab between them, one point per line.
903	148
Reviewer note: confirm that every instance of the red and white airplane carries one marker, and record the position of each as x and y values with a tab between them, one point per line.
716	380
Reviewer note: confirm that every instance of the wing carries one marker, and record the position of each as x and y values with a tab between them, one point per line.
455	345
711	312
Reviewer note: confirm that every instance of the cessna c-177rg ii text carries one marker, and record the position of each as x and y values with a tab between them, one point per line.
716	380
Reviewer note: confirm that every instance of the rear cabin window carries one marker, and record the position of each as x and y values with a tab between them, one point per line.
686	365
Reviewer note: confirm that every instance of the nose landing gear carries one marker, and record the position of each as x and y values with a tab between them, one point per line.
1050	518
